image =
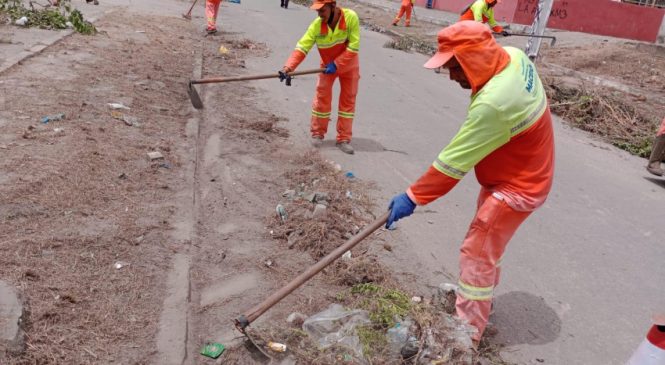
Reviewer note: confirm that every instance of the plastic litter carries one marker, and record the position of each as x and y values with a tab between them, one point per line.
223	50
234	1
117	106
120	264
69	25
53	118
276	346
281	212
212	350
347	255
350	175
23	21
337	326
398	335
155	155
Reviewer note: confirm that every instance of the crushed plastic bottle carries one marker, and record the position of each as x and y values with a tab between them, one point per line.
277	347
53	118
281	211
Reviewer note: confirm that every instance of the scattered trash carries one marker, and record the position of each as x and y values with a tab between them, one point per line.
320	211
296	318
268	263
338	167
398	335
411	348
392	226
69	25
122	176
59	131
337	325
155	155
117	106
223	50
416	299
350	175
53	118
349	195
23	21
234	1
347	255
139	31
120	264
289	194
276	346
165	165
281	211
213	350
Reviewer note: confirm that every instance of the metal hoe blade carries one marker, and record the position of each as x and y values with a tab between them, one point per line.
194	97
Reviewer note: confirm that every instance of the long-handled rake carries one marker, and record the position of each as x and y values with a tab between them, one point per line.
255	312
189	13
551	38
196	99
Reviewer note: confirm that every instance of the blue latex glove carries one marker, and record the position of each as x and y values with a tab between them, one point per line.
400	206
331	68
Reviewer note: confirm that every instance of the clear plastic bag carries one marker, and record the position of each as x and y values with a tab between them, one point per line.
337	326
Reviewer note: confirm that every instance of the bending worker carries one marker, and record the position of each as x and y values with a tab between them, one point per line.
212	10
483	11
336	33
407	6
506	138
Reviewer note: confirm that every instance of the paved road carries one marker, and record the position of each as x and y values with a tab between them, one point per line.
581	277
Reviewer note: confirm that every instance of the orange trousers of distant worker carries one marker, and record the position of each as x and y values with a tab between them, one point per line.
212	9
402	10
491	229
322	105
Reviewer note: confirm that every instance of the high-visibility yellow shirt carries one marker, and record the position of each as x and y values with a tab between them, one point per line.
480	12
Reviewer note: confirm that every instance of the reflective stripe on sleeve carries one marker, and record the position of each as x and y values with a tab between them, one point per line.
475	292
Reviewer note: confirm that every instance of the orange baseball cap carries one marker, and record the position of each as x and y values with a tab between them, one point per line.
318	4
460	35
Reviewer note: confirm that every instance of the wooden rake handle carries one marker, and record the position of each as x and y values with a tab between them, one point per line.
255	77
255	312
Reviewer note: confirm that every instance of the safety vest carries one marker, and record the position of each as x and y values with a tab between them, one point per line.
480	12
507	108
340	44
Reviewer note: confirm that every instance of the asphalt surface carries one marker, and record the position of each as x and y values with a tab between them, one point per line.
580	278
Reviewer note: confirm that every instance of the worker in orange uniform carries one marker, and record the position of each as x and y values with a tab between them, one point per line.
506	138
483	11
657	152
212	10
336	33
407	6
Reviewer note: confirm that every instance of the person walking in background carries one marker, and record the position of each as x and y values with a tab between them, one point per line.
483	11
657	152
212	10
285	4
406	8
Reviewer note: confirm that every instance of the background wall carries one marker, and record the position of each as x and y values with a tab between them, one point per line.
604	17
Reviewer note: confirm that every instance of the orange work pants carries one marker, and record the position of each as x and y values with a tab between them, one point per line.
661	130
404	9
212	9
491	229
321	107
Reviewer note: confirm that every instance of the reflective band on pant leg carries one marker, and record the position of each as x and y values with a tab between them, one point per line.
347	104
212	8
491	229
321	106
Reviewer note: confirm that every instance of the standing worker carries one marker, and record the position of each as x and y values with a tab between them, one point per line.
285	4
336	33
212	9
657	152
407	6
483	11
507	138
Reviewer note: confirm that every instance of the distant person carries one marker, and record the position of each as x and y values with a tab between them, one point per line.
336	33
406	8
285	4
483	11
657	152
212	10
506	138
